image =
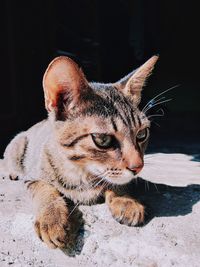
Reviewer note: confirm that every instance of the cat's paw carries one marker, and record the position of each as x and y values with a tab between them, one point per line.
13	176
127	211
52	225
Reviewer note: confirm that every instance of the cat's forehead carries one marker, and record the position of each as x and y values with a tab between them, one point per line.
108	111
109	101
116	124
87	124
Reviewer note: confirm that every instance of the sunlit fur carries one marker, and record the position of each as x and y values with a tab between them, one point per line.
59	159
111	113
61	151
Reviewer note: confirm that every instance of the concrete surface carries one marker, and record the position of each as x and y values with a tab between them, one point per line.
171	236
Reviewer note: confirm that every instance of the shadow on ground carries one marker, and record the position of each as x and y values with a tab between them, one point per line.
160	200
76	237
196	157
163	200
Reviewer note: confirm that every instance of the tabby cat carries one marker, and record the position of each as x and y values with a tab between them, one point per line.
95	137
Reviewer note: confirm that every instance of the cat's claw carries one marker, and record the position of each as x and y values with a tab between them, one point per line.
127	211
52	226
13	177
5	176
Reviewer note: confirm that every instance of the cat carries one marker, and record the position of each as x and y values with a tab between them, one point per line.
94	137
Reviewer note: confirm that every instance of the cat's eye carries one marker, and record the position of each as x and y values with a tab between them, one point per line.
103	140
142	135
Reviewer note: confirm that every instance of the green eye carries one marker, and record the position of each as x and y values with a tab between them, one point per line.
142	135
103	140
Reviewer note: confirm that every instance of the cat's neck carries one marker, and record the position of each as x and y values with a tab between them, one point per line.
63	169
72	181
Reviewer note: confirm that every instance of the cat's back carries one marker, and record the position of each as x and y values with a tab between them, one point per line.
23	153
36	138
38	132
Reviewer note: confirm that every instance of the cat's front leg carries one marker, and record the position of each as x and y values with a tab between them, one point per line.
51	224
124	209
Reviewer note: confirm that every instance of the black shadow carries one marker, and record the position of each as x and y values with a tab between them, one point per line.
163	200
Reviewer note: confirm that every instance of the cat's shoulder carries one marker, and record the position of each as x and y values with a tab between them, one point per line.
37	126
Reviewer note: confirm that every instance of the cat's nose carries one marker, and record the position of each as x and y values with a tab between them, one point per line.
135	168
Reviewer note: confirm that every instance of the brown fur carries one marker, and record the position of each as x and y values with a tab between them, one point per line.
51	223
124	209
60	159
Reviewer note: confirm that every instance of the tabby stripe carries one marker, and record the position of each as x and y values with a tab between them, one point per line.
69	187
139	121
52	165
75	158
133	118
114	124
23	156
75	141
29	183
123	120
129	113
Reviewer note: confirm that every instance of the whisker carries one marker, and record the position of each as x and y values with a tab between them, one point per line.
156	124
169	89
98	182
157	114
104	185
153	102
73	209
156	187
95	183
152	116
158	103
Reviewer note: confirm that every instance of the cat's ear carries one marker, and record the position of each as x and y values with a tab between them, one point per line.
64	83
132	84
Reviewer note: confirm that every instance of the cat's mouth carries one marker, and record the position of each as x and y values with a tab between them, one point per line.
124	179
116	177
110	175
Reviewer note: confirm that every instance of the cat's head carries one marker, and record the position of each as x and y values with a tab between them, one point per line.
98	126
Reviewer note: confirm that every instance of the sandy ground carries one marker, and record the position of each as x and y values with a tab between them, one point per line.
171	236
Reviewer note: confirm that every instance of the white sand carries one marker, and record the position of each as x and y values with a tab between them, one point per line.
170	238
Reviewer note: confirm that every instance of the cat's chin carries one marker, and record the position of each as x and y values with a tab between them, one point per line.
120	180
100	173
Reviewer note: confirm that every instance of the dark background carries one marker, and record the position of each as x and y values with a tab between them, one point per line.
107	39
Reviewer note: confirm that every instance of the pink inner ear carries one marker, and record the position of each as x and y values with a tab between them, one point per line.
62	75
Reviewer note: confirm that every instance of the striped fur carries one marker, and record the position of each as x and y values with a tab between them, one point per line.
59	156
